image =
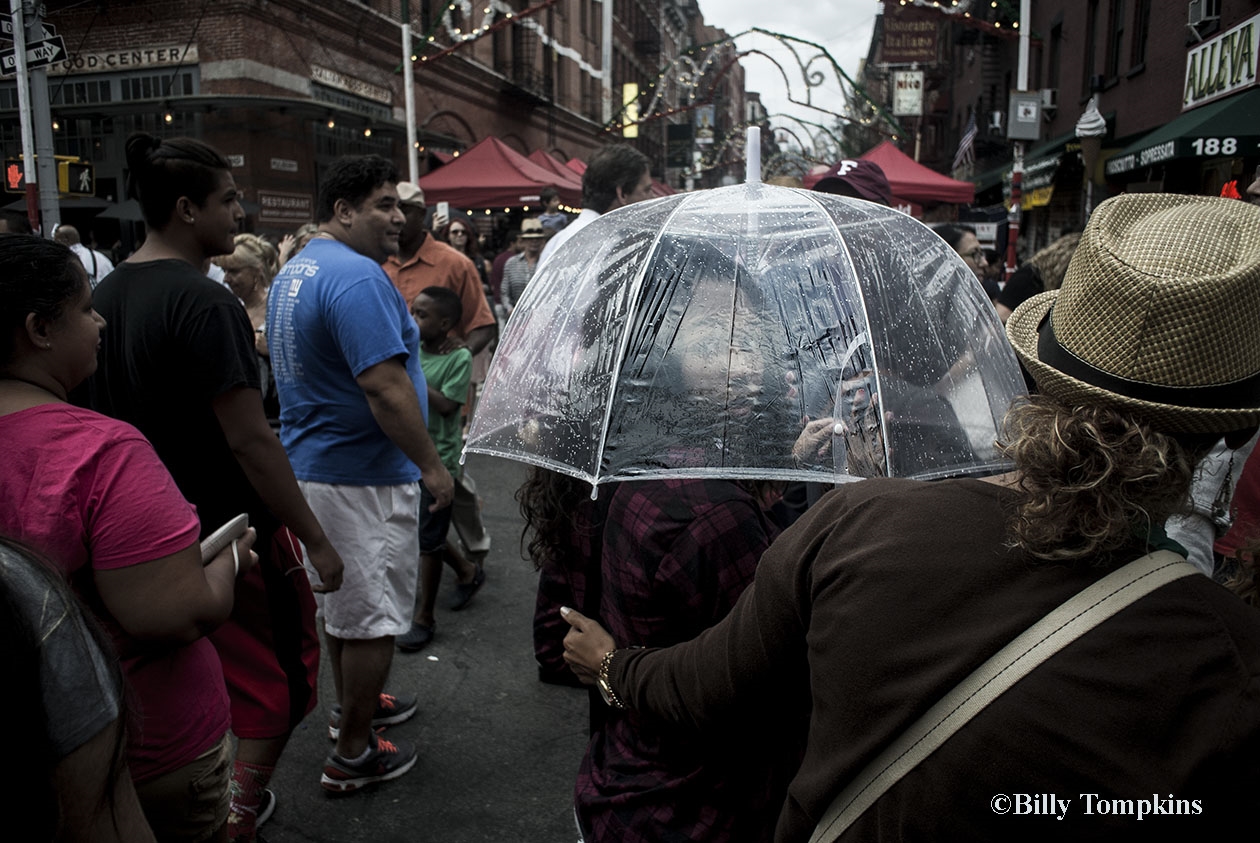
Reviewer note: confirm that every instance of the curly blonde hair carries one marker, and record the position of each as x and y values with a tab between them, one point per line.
253	252
1052	261
1093	480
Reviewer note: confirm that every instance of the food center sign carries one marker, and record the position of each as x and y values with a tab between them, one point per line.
1222	66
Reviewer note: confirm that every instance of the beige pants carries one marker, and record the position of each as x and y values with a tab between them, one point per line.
189	805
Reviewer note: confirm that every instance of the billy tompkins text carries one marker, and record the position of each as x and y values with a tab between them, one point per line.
1093	804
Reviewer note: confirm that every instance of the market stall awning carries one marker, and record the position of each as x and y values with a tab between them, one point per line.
911	180
1225	128
493	175
545	161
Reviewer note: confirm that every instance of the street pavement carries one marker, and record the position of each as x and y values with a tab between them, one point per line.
499	750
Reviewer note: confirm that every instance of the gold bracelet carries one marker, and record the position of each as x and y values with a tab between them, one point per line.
605	686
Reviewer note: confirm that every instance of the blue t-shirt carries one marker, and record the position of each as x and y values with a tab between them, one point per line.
331	314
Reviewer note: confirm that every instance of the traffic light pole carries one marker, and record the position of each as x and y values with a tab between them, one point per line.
38	156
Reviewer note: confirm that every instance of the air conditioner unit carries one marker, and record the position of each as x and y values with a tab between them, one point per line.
1049	98
1204	11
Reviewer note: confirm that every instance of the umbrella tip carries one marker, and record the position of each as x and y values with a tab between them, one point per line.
752	155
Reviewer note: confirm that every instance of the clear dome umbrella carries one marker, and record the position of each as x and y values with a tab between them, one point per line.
751	332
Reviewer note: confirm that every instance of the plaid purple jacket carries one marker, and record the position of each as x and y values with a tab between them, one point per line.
676	555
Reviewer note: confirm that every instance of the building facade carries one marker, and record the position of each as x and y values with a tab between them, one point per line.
1175	81
284	87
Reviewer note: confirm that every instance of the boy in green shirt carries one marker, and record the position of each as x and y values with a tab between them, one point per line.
436	310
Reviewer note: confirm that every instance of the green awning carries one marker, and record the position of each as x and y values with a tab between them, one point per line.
1224	128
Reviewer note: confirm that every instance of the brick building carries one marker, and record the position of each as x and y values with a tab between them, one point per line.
283	87
1175	79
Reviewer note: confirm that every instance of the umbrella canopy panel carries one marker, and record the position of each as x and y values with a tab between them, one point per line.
695	335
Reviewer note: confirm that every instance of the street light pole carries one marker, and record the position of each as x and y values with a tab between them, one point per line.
409	96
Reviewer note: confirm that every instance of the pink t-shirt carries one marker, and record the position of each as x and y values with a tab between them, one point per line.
90	493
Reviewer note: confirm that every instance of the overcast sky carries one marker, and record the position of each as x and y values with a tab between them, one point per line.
842	27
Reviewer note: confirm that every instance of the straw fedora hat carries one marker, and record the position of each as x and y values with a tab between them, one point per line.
532	229
1158	315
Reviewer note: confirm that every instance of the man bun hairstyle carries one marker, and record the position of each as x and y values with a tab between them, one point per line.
353	178
160	171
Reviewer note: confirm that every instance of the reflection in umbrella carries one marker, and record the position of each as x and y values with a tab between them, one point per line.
695	335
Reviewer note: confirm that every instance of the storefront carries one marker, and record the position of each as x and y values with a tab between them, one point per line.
1217	136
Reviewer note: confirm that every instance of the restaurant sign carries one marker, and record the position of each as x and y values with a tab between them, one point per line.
909	37
1222	66
278	206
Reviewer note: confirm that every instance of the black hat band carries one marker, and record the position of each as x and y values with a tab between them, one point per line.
1242	394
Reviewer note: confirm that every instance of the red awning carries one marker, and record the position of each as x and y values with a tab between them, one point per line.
659	188
577	165
493	175
911	180
545	161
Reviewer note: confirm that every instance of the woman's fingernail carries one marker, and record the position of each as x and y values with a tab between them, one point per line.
564	610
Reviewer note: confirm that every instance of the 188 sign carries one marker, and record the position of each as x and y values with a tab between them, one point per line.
1215	146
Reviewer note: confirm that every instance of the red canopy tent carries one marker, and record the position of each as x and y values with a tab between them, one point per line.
577	165
911	180
545	161
493	175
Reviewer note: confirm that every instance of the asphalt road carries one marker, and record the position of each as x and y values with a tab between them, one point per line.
499	750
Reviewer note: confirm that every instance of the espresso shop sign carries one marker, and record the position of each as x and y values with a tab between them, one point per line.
1222	66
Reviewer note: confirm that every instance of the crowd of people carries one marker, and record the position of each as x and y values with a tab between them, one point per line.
751	651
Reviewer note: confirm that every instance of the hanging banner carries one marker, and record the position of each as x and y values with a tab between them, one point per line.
704	125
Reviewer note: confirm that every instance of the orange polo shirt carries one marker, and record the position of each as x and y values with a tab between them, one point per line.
435	264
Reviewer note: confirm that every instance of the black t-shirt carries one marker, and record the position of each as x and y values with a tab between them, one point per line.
1023	284
173	341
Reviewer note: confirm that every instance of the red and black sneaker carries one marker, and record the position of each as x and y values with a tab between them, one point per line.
385	760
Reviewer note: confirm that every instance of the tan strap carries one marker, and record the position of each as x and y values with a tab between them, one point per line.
1043	639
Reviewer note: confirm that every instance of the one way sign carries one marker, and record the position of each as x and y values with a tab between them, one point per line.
38	54
47	30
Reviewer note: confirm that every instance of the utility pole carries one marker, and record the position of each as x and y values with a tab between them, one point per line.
38	155
1017	168
409	95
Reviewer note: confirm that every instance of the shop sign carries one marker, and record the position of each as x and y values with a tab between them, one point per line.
284	165
909	37
135	57
907	93
279	206
358	87
1222	66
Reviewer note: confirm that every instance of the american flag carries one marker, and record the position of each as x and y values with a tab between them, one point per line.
965	158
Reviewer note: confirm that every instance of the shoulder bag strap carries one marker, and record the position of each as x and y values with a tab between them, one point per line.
1043	639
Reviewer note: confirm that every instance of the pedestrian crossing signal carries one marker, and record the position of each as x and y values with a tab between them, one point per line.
14	176
75	178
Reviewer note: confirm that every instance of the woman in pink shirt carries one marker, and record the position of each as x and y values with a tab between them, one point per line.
90	493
